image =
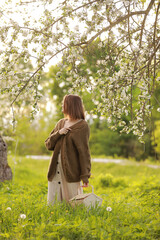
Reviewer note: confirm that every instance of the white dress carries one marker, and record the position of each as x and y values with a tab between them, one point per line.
59	189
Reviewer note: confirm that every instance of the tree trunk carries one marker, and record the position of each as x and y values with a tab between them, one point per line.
5	170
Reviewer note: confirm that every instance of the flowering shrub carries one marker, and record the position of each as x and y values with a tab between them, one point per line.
126	73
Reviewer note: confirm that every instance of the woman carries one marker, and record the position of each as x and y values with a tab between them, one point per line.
70	162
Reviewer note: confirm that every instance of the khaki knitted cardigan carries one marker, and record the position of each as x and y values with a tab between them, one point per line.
75	154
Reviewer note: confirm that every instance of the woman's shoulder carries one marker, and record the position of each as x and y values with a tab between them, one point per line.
84	121
81	130
83	125
60	122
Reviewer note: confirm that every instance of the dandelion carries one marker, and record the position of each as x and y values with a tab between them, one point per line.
24	225
8	209
109	209
22	216
52	212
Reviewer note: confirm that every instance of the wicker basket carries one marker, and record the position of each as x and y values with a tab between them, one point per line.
88	199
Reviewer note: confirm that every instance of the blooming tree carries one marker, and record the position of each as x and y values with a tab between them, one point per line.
39	31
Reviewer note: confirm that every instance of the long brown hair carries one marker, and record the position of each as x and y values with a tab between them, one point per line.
73	106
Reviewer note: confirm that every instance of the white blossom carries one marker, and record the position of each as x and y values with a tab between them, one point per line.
109	1
22	216
8	209
122	123
126	3
109	119
76	28
109	209
25	33
123	93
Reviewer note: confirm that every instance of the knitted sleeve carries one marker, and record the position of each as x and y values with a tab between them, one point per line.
82	144
50	142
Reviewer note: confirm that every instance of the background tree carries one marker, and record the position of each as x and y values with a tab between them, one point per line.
5	170
130	28
103	141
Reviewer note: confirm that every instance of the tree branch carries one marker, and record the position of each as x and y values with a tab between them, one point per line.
154	43
115	23
126	36
27	82
144	20
84	5
129	34
150	59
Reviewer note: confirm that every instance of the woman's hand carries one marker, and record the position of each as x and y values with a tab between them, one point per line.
85	185
64	131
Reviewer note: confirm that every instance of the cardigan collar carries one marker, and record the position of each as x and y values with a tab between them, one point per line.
76	125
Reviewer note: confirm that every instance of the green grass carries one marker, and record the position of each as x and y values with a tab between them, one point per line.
131	191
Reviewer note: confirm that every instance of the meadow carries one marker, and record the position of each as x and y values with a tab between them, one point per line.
130	208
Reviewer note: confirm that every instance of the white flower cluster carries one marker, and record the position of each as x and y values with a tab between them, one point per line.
8	209
22	216
108	61
109	209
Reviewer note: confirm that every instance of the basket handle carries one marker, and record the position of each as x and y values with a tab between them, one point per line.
89	185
